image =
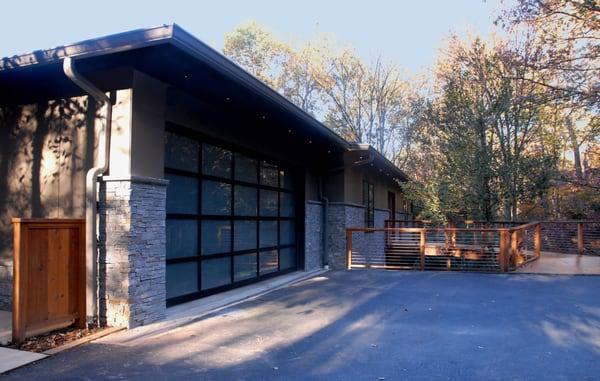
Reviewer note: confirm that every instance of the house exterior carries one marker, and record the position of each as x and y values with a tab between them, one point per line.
214	180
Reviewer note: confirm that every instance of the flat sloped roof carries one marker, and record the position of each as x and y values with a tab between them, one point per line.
167	52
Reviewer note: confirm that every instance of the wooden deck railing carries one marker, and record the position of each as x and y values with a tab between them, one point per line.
565	236
462	249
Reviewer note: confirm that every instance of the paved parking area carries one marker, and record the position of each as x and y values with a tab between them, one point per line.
368	325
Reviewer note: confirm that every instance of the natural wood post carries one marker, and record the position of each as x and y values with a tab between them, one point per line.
348	249
538	240
19	308
422	248
514	249
580	247
504	247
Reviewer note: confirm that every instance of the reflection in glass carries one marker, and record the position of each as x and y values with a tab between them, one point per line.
216	198
268	203
216	272
268	233
245	235
182	194
182	238
216	161
288	206
268	174
182	279
288	258
268	261
181	152
287	234
246	169
244	267
245	201
216	237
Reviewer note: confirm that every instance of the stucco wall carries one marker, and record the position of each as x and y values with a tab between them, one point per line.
46	151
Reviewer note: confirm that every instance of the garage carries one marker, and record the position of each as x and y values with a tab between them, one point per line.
231	216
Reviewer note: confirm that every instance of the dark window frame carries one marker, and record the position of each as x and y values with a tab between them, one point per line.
369	204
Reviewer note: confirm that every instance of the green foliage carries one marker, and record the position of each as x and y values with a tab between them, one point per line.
503	129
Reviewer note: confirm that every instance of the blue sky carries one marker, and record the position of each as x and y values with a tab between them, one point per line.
408	32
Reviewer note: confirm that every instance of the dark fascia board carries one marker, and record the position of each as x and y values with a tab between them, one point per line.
393	167
188	43
114	43
178	37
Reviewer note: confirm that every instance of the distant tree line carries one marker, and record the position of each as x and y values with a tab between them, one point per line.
502	128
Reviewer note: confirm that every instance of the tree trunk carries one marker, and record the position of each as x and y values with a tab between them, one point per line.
575	147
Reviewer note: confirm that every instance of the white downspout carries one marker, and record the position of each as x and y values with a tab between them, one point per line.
91	181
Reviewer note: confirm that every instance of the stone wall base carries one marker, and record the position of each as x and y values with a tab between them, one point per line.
132	246
313	236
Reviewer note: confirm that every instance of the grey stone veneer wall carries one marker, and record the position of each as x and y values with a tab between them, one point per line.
340	217
313	235
132	246
6	272
380	216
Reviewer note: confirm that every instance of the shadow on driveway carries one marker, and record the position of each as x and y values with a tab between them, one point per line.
368	325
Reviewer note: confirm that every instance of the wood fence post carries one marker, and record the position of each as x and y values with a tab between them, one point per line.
19	307
348	249
538	240
514	249
422	248
580	247
504	247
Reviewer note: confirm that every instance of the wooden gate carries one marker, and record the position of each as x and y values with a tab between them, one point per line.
49	275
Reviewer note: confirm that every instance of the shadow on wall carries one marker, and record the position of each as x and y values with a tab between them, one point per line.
45	151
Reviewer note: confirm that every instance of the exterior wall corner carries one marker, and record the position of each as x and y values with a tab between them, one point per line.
132	248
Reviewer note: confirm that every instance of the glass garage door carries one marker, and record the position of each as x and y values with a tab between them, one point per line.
230	218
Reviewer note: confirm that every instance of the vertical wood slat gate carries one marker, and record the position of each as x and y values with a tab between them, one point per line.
49	275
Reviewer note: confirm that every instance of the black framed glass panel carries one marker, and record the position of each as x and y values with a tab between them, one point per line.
231	216
244	267
181	279
216	272
182	238
268	261
216	161
216	236
186	189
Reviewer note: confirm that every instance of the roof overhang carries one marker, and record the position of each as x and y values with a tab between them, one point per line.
171	55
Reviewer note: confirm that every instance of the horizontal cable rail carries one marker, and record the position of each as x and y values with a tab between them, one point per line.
565	237
454	249
571	237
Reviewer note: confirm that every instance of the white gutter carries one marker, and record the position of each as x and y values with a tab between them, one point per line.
91	181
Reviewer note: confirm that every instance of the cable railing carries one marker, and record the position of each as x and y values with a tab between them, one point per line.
415	246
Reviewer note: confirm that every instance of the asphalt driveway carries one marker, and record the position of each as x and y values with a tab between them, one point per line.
369	325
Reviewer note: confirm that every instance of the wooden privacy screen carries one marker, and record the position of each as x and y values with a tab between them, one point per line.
49	275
